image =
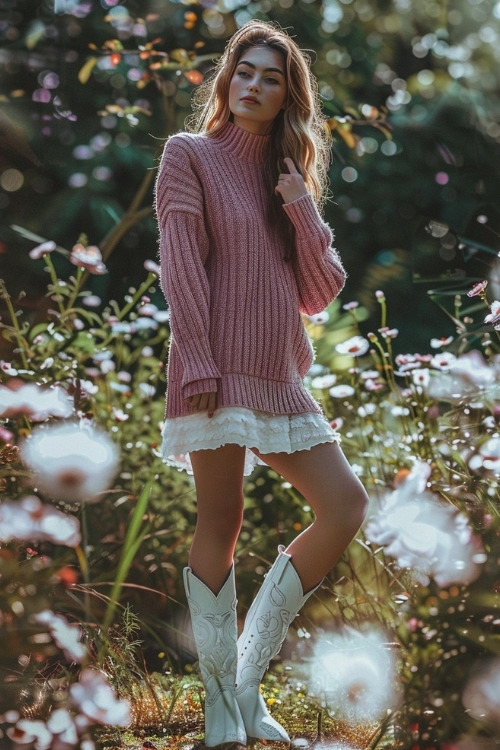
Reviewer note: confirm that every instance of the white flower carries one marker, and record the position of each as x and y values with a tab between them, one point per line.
70	463
341	391
421	377
443	361
426	535
481	695
487	457
152	267
62	726
31	520
34	402
65	635
439	343
324	381
356	346
473	369
494	316
147	390
7	368
32	733
353	674
320	318
96	699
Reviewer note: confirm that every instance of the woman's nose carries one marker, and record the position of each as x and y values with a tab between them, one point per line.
253	86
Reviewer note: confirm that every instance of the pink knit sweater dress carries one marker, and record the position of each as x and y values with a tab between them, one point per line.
235	303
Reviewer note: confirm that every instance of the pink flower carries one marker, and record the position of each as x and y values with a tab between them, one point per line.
89	258
477	289
40	250
38	404
388	333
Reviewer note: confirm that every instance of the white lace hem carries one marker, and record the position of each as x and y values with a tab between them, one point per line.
268	433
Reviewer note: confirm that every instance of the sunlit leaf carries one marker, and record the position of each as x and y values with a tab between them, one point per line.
36	31
180	56
194	76
85	72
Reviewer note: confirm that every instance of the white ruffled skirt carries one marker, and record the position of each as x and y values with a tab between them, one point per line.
268	433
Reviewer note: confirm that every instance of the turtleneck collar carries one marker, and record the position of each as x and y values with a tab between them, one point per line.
242	143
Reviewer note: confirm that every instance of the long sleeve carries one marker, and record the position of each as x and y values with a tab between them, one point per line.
318	269
183	251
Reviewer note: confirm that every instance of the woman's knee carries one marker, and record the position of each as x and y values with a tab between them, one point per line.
221	519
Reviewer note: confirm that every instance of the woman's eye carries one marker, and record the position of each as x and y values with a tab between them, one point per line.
243	73
271	80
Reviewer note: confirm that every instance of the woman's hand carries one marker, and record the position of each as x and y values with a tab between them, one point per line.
291	185
203	402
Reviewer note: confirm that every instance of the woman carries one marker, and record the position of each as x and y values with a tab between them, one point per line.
244	252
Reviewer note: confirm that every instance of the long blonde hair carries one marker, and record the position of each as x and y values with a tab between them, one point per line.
299	131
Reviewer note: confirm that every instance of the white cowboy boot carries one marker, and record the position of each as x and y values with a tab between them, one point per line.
215	632
266	625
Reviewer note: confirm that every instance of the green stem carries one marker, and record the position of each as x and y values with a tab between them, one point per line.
133	540
55	282
22	343
136	297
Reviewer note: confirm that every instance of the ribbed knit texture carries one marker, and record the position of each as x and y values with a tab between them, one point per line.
234	302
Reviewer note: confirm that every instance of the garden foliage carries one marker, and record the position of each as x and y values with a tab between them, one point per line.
400	648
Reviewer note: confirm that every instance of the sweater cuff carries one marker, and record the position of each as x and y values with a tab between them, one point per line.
207	385
304	215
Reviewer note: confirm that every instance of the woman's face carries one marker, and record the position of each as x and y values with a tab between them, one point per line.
258	89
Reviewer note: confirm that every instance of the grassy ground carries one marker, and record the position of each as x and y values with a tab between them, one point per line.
169	713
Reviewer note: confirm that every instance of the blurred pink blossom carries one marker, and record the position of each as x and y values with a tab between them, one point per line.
477	289
425	534
30	520
96	700
30	732
71	463
38	404
65	635
487	456
62	725
89	257
353	672
40	250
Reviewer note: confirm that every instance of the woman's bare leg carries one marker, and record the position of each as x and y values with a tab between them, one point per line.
218	476
325	479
